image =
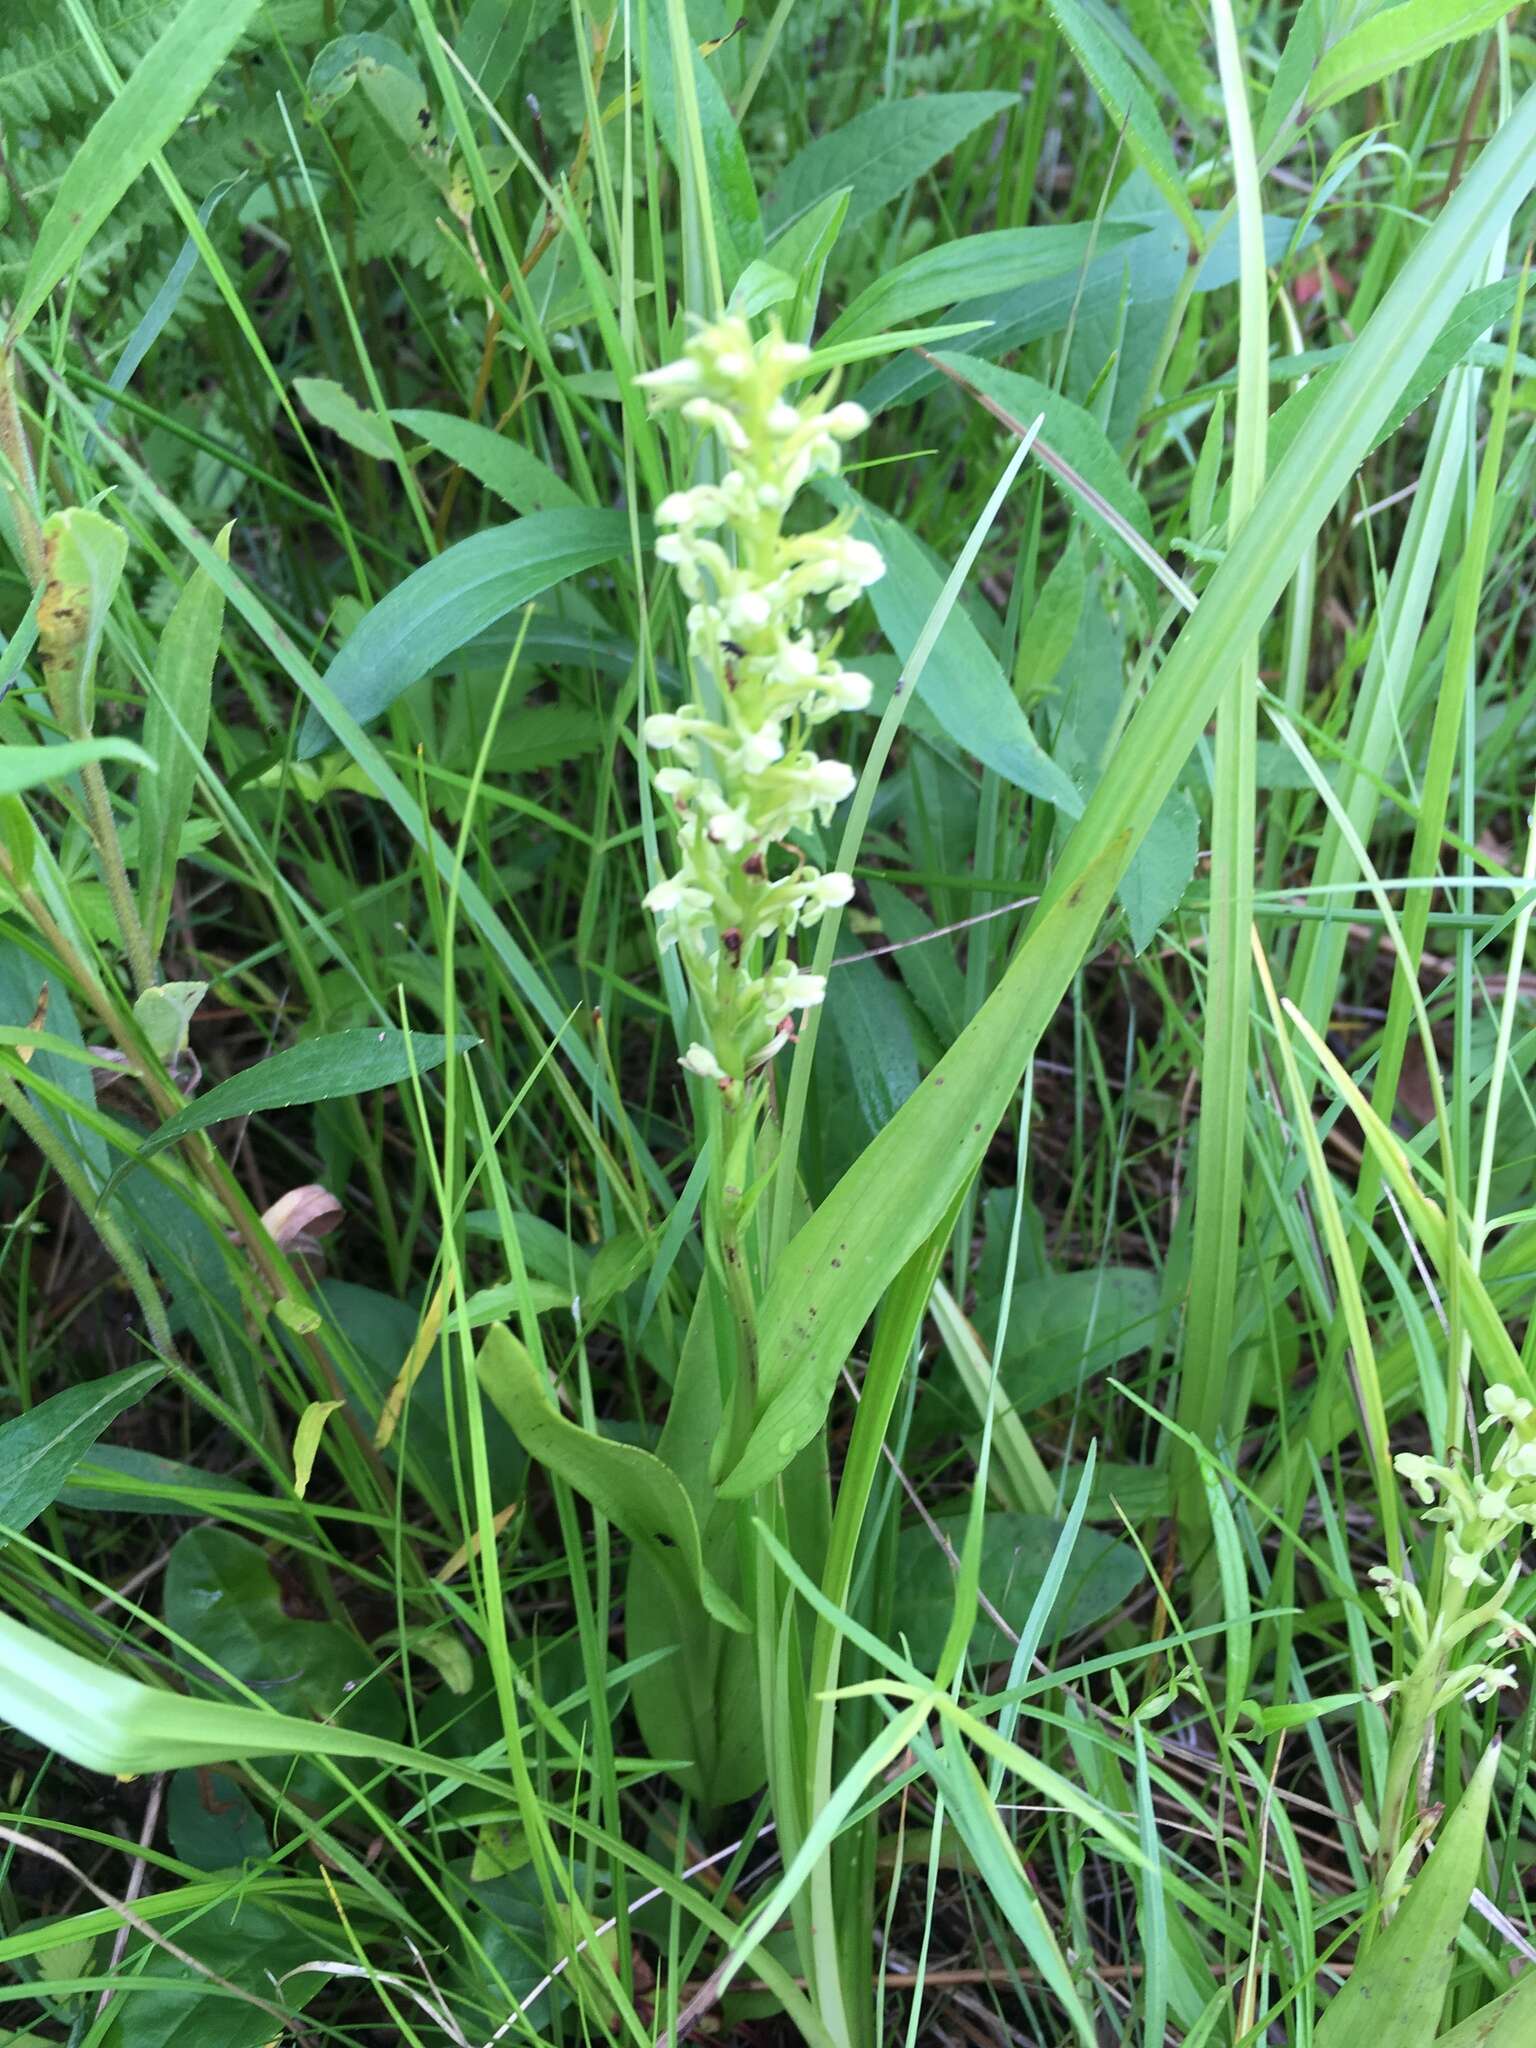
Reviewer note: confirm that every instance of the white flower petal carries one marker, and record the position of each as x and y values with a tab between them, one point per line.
698	1059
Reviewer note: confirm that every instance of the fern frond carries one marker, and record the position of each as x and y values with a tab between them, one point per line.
1173	37
49	71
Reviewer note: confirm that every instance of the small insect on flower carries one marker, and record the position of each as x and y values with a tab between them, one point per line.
742	780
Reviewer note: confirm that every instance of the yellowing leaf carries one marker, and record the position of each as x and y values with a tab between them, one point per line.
39	1019
83	557
443	1650
410	1372
306	1442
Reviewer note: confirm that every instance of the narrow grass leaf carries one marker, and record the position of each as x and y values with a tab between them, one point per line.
1055	1789
1351	1304
1153	1923
166	84
1043	1605
1496	1349
673	1234
23	768
1025	1483
1210	1390
162	307
1237	1618
976	1819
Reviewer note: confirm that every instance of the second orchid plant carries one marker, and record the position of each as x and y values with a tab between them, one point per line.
1478	1511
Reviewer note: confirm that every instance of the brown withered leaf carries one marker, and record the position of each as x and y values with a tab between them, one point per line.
298	1220
39	1019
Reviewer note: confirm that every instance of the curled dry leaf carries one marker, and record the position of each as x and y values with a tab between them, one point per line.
298	1220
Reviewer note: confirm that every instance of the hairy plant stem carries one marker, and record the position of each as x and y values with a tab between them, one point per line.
109	850
125	1255
206	1165
17	452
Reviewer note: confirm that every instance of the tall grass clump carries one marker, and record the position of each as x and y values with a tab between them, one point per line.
766	1136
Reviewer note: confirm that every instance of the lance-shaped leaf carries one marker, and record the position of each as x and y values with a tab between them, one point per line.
1393	1997
325	1069
1395	38
1003	260
880	153
466	590
106	1721
40	1449
632	1488
175	733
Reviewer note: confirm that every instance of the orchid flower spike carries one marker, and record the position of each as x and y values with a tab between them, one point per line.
739	774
